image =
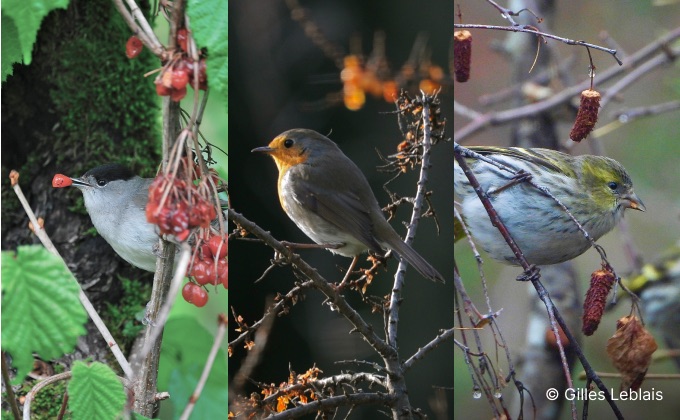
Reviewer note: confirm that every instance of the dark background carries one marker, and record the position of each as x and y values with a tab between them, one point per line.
279	80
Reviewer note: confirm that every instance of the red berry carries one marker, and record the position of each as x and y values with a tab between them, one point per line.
223	273
218	246
178	94
162	90
179	220
133	47
206	252
199	272
182	36
180	78
200	298
151	209
183	235
195	218
166	78
163	220
194	294
61	181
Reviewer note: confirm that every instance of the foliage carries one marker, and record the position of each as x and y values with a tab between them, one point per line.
95	392
41	312
209	25
180	368
21	19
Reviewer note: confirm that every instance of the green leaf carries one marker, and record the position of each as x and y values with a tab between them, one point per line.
27	17
209	20
212	402
95	392
11	50
41	312
181	364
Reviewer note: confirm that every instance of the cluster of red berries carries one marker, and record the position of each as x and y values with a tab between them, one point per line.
182	209
209	266
174	79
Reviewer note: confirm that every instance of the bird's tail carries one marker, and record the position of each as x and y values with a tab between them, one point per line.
413	258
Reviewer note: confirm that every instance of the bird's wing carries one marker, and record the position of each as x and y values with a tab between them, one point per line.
544	158
341	208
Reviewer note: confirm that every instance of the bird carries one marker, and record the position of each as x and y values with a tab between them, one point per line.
115	199
595	189
328	197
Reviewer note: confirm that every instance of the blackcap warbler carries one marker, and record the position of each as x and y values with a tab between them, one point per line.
115	199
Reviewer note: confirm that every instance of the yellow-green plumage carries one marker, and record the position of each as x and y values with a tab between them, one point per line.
595	189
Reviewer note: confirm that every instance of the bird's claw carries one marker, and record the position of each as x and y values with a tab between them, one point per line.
530	274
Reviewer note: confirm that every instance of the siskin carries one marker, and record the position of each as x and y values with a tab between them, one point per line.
595	189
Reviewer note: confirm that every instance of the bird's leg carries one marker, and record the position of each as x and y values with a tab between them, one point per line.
311	246
520	176
532	273
349	271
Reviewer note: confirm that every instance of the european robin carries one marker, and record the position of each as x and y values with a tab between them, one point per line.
329	199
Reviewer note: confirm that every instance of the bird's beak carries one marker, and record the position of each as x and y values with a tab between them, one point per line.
78	182
632	201
263	149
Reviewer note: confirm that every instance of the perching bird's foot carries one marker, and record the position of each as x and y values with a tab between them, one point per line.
531	274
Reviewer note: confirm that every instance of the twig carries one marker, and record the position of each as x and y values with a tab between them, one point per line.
143	32
530	110
363	398
334	380
94	316
40	385
221	329
11	398
420	354
395	296
255	354
365	329
275	310
159	318
531	30
164	286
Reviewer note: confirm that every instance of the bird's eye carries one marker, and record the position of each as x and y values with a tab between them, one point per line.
288	143
613	186
101	182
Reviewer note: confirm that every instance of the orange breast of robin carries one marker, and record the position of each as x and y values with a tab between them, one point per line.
286	158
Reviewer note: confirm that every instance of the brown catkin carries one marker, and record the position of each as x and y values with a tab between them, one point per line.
601	282
587	115
462	54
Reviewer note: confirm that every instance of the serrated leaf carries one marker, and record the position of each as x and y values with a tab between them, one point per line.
11	50
95	392
209	19
181	363
41	311
27	17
